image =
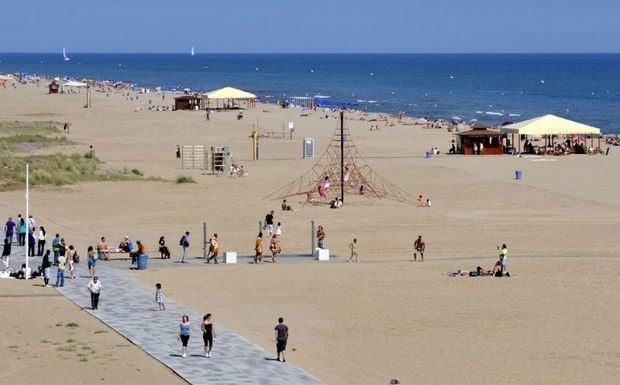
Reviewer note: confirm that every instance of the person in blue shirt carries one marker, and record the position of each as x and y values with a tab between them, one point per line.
56	248
9	229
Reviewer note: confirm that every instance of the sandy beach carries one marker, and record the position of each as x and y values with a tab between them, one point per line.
385	317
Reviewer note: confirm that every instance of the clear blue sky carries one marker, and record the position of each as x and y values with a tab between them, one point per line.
250	26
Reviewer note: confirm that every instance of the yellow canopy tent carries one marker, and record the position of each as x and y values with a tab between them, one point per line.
548	126
230	95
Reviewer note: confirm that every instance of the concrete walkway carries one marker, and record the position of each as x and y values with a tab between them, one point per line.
129	308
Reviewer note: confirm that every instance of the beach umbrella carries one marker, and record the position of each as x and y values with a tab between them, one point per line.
472	121
457	118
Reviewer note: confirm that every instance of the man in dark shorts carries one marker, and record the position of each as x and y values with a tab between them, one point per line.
281	338
269	223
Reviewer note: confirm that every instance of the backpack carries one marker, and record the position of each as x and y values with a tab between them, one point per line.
182	241
76	258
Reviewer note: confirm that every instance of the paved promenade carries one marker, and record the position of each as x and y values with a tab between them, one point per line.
129	308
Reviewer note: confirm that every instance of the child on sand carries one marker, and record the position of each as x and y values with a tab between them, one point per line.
159	297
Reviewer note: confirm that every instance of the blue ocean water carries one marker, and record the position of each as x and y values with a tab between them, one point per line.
492	88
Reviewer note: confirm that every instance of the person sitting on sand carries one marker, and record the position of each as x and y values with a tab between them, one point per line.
420	201
286	206
335	204
163	248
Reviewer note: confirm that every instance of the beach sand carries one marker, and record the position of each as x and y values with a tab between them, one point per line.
385	317
47	339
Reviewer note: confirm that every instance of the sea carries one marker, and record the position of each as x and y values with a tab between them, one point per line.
490	88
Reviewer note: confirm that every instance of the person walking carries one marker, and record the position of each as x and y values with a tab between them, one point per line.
274	247
418	247
258	248
41	241
56	248
320	236
185	244
184	333
159	297
94	288
6	252
353	248
22	230
72	259
60	272
215	247
208	333
281	337
46	266
90	255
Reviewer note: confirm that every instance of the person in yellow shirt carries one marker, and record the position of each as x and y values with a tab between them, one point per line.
258	248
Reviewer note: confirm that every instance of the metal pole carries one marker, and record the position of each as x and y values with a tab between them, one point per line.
342	156
27	216
312	237
204	239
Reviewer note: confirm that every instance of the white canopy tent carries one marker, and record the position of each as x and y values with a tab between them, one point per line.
73	83
231	94
548	126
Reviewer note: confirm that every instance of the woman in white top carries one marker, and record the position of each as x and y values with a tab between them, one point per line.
41	241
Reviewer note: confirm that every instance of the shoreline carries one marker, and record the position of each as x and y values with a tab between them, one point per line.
490	117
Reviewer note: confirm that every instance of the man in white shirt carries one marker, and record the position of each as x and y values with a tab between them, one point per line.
94	288
32	223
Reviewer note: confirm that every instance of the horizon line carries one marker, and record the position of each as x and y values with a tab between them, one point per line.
326	53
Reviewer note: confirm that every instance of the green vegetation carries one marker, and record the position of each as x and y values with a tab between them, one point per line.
72	325
54	169
185	179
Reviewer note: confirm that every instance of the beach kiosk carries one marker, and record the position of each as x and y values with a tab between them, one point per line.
491	140
54	87
229	98
187	102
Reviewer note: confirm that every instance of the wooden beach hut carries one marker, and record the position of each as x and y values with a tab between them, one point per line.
187	102
229	98
491	140
550	126
54	87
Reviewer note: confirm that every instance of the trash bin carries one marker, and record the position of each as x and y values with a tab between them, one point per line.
518	174
142	258
429	154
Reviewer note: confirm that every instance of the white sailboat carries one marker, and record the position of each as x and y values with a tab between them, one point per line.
192	52
64	55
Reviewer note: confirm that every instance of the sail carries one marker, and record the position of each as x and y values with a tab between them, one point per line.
192	52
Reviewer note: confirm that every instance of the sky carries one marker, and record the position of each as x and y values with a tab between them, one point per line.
317	26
